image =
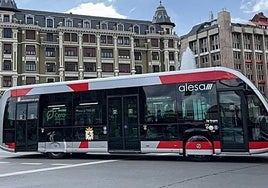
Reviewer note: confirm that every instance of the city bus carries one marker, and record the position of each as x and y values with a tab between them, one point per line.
197	113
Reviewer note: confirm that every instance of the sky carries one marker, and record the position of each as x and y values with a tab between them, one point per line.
184	13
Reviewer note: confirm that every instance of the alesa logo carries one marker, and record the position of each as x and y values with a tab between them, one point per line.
195	87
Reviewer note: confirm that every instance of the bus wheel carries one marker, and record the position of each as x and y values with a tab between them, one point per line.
200	158
55	155
199	148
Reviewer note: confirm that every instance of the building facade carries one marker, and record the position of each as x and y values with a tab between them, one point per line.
42	47
244	47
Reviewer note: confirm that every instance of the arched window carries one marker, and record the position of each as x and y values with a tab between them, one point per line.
50	22
86	24
136	29
152	29
69	22
104	25
120	27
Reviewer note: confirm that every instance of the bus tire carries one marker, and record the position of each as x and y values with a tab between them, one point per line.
198	148
200	158
55	155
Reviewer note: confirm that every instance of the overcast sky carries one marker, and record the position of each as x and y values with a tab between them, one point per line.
184	13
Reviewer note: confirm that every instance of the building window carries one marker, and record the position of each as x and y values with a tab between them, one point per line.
204	59
170	43
50	22
71	66
30	66
90	67
138	69
123	40
69	22
7	66
248	56
137	56
107	67
7	81
50	80
70	51
29	19
70	37
120	27
107	53
214	42
50	67
104	25
124	68
6	18
30	34
152	29
193	46
203	45
156	68
155	56
247	41
86	24
50	52
7	48
89	38
154	43
7	32
89	52
50	37
123	54
30	80
258	42
30	50
136	29
171	68
171	56
236	40
137	42
106	39
237	55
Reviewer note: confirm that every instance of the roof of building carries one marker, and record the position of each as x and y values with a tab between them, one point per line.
9	5
161	17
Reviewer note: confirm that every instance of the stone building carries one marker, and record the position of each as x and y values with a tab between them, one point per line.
244	47
41	47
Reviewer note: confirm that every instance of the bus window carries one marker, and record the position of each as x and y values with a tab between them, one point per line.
258	119
199	103
9	121
160	104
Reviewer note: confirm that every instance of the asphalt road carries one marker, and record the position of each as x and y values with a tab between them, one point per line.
132	171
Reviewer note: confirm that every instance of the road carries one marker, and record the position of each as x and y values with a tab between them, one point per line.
148	171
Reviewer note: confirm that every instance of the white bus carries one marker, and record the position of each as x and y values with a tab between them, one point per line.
197	113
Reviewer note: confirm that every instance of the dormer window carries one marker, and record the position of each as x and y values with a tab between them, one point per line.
69	22
86	24
136	29
29	19
50	22
6	18
104	25
152	29
120	27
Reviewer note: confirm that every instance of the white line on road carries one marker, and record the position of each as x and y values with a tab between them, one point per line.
58	164
2	162
32	163
55	168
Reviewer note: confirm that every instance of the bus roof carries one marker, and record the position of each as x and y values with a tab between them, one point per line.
182	76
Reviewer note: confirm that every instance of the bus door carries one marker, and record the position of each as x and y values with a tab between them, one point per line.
233	130
123	121
26	126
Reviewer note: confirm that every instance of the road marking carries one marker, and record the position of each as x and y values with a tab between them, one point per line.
55	168
31	163
4	162
57	164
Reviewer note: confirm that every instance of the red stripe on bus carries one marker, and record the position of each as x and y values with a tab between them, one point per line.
169	144
20	92
217	144
10	145
84	144
79	87
258	145
197	77
198	145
